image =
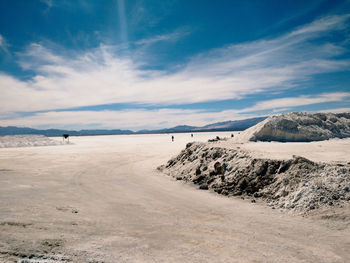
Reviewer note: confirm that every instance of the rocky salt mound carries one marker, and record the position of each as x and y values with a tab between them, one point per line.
26	141
298	184
299	127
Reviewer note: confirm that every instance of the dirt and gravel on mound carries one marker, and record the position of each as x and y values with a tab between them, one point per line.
10	141
297	184
299	127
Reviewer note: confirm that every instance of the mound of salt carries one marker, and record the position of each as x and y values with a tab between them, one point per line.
299	127
296	184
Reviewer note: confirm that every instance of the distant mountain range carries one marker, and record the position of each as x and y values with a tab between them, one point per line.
219	126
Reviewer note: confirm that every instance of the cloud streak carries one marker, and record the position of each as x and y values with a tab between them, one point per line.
177	34
3	45
166	117
123	27
123	119
281	104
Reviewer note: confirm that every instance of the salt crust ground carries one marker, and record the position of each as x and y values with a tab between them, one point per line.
101	200
27	141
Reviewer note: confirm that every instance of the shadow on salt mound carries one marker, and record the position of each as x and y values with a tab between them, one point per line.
247	134
11	141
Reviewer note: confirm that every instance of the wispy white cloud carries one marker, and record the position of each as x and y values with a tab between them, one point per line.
177	34
143	15
324	24
102	75
289	102
3	45
336	110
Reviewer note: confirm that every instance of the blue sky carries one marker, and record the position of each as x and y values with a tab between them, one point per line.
134	64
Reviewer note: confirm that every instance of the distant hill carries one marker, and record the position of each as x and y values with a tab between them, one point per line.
239	125
12	130
219	126
176	129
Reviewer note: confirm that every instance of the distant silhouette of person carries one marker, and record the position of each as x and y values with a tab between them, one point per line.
192	135
172	138
65	136
232	135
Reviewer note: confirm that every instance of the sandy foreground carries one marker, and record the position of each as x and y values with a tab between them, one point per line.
101	199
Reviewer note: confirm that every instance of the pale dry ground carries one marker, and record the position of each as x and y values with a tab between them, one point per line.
329	151
102	199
